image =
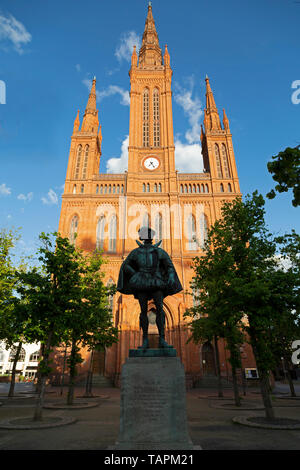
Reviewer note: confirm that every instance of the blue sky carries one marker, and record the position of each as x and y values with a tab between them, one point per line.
50	51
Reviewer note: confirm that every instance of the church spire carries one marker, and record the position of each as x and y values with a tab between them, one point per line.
211	118
225	121
90	121
150	52
76	123
91	104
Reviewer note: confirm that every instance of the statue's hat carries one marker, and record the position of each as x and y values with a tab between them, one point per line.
146	233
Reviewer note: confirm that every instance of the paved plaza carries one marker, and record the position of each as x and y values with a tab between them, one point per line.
97	428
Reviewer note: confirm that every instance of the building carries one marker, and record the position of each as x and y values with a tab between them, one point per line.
106	210
28	360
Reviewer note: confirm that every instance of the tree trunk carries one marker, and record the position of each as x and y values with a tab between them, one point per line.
290	379
38	413
13	372
38	374
72	359
89	379
220	388
237	398
265	391
63	372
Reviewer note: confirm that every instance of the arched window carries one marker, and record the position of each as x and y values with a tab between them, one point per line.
146	118
146	220
218	161
34	356
194	188
202	188
148	188
144	188
156	127
191	228
122	189
85	162
222	188
229	188
155	188
109	189
181	188
225	161
206	188
196	300
82	188
190	188
101	189
185	188
112	245
105	189
73	229
159	187
97	189
74	189
114	189
78	161
118	189
198	188
110	297
100	233
13	353
203	229
158	227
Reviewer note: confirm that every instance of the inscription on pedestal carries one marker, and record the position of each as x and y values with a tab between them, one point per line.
153	404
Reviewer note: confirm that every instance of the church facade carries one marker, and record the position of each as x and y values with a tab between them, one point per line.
106	210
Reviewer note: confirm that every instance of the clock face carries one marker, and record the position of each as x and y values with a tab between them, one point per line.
151	163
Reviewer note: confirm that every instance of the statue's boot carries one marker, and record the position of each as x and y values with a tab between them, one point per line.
145	344
160	321
163	343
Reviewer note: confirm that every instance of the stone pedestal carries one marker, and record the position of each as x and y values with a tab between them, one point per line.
153	402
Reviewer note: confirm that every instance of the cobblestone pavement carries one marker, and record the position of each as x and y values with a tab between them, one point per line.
97	428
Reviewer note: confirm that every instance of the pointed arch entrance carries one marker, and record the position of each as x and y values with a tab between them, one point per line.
208	360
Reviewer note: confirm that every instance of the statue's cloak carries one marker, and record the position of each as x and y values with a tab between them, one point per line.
138	274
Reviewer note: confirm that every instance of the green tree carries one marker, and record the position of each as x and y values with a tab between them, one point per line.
285	170
65	300
91	324
285	301
244	255
214	316
49	293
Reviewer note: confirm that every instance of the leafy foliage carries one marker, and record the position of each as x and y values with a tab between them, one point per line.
285	170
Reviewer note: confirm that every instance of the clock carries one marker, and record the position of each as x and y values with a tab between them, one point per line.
151	163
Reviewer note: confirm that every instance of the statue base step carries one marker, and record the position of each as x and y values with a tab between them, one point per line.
153	403
155	352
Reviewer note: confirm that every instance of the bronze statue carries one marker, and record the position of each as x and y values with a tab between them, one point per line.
148	273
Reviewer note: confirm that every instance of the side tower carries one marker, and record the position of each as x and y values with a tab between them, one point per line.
217	150
83	165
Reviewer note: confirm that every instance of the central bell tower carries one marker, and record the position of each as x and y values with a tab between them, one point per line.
151	141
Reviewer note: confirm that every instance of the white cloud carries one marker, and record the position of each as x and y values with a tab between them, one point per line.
23	197
125	47
14	31
51	198
111	90
4	190
119	165
193	110
188	157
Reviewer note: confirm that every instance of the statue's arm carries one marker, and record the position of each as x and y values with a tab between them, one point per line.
128	268
169	267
